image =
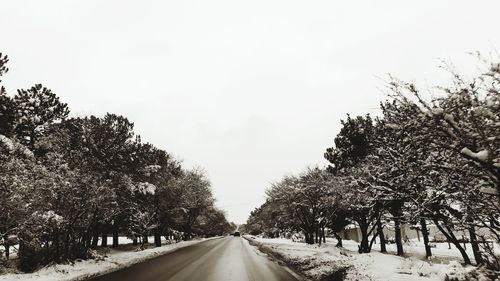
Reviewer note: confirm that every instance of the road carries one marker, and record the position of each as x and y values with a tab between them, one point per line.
225	259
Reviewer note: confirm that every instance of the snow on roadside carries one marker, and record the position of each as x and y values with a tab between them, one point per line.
316	262
82	270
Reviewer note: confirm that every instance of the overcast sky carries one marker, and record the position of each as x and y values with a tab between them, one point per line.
248	90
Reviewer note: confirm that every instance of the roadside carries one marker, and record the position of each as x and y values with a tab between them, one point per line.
262	250
327	262
107	260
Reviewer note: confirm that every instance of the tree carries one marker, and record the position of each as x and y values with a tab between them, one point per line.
213	222
464	119
195	197
108	142
336	210
302	202
35	109
6	104
459	127
354	144
270	219
157	170
65	181
16	165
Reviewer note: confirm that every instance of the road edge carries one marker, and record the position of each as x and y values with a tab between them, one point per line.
87	276
276	257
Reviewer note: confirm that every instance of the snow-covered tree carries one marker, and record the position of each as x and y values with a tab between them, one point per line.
351	159
155	173
213	222
301	203
195	196
66	181
464	118
459	128
16	165
6	104
35	109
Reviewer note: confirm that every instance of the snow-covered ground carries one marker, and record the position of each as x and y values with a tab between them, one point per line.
441	252
316	261
122	240
81	270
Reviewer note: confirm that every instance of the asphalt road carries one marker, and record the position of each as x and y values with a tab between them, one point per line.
225	259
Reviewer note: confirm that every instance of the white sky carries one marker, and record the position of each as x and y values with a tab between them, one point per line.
249	90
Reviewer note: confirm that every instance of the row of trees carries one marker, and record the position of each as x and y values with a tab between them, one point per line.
66	183
422	161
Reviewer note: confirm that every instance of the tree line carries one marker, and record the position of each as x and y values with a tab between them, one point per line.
66	183
424	160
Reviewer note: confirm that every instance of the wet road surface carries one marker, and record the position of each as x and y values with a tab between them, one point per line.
225	259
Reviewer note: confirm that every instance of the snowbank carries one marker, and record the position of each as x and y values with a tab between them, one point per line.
317	262
82	270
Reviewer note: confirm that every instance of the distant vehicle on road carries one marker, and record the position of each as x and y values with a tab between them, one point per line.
237	234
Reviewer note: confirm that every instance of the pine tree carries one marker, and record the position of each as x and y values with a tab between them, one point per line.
35	109
6	104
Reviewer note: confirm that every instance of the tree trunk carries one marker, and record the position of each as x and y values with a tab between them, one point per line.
497	175
115	235
339	239
451	238
66	244
55	243
95	240
425	235
104	241
309	237
323	234
381	236
475	246
145	239
157	237
463	253
187	230
397	232
372	241
7	251
364	247
88	241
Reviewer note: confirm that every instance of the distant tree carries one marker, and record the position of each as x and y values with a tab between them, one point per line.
269	219
213	222
303	202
